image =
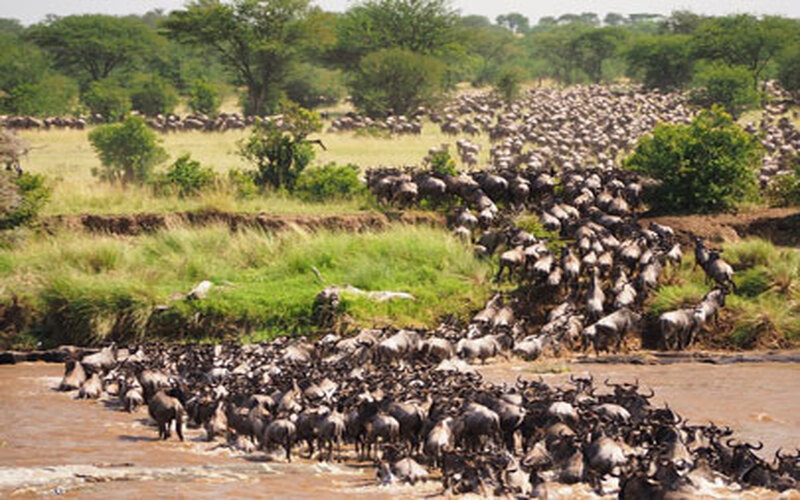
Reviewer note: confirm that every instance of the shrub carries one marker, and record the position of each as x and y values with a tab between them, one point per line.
185	177
728	86
150	95
21	198
108	100
705	166
127	150
396	81
443	164
242	183
281	153
54	95
311	87
204	98
507	84
330	182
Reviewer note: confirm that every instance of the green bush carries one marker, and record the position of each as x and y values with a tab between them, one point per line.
185	177
127	150
789	68
728	86
108	100
242	183
280	154
53	95
396	81
443	164
21	198
312	87
150	95
331	182
204	98
507	84
708	165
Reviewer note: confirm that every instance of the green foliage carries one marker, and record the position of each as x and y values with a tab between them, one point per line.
742	40
443	164
784	189
419	26
281	153
705	166
751	253
107	99
663	62
507	84
204	98
514	21
728	86
789	68
127	150
51	95
593	47
185	177
330	182
396	81
27	85
312	86
21	198
91	47
242	183
92	287
151	95
257	42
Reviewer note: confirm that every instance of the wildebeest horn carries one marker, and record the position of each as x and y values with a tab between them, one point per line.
729	445
652	393
755	448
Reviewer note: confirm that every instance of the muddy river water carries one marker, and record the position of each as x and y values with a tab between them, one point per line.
52	444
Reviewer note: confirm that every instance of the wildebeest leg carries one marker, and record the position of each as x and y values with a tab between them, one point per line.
179	425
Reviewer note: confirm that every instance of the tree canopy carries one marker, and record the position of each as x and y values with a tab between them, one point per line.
257	41
91	47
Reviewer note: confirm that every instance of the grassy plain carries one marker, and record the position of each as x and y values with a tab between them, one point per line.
82	288
67	158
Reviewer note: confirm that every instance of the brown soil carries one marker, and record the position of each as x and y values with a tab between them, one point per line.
779	225
135	224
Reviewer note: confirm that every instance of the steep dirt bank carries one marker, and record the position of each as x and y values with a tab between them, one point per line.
134	224
781	226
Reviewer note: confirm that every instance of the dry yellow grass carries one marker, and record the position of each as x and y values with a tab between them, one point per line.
67	157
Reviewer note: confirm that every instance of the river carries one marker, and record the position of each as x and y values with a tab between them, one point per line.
52	444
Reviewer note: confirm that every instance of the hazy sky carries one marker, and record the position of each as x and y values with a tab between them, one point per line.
31	11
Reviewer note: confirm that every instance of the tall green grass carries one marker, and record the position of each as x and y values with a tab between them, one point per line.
764	312
85	288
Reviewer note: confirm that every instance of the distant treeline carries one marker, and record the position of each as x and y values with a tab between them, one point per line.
390	56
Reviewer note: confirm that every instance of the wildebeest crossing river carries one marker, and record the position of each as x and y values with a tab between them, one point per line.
51	444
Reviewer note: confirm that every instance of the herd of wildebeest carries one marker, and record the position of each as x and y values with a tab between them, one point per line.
410	399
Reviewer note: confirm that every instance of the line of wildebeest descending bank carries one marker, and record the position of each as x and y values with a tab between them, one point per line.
420	419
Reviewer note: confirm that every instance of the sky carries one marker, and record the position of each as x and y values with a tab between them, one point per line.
31	11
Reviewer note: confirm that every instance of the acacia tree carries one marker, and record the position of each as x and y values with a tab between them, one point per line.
595	46
742	40
92	46
257	40
421	26
664	62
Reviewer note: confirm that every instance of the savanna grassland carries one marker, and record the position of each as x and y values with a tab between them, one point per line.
66	157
